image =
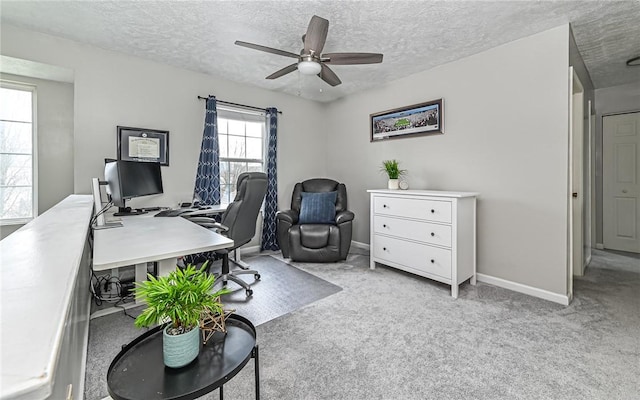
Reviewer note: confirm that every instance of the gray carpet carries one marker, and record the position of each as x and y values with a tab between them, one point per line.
391	335
282	289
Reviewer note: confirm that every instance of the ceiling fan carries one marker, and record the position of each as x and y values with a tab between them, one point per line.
311	61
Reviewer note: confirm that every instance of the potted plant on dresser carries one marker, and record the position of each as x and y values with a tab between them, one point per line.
179	299
393	171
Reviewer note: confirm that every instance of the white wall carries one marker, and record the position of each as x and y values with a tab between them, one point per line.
113	89
506	136
54	140
611	100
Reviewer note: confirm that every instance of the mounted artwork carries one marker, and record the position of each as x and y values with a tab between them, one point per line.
415	120
139	144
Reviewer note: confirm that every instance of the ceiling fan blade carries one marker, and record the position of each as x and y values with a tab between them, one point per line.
352	58
283	71
267	49
327	75
316	35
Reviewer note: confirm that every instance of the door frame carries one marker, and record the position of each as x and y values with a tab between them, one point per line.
588	200
602	117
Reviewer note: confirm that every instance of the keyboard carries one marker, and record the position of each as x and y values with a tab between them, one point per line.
171	213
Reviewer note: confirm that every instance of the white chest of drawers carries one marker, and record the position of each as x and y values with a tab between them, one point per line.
428	233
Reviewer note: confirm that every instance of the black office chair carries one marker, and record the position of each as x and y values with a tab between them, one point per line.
239	224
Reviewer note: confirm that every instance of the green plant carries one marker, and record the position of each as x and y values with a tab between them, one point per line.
180	296
392	169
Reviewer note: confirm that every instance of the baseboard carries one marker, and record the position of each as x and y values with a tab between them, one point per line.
520	288
360	245
599	246
250	250
253	250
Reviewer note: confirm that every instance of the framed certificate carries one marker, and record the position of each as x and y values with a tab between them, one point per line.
140	144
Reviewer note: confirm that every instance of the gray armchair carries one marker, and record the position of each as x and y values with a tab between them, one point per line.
324	238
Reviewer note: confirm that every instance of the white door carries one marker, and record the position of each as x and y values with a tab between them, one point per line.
577	172
587	187
592	174
621	189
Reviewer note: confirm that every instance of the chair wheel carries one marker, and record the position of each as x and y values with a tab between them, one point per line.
257	276
249	292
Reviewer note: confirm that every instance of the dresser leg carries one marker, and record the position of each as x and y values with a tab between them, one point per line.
454	291
473	280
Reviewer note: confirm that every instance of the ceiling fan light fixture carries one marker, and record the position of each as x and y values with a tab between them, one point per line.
309	67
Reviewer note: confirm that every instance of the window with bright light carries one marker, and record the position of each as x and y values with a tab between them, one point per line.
241	136
18	200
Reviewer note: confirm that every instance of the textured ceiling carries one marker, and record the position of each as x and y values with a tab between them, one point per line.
413	35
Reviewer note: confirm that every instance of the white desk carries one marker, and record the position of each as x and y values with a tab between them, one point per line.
144	238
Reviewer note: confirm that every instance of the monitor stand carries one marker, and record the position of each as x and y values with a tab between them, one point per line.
100	221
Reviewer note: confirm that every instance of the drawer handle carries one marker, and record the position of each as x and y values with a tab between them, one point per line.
384	206
433	211
384	249
384	225
433	234
433	261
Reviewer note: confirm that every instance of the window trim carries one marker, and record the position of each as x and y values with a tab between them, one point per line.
226	112
34	150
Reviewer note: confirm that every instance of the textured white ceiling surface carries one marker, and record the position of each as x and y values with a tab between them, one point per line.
413	35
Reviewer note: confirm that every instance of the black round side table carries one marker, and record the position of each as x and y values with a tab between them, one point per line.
138	371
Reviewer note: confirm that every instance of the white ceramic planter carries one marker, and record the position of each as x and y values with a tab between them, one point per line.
393	184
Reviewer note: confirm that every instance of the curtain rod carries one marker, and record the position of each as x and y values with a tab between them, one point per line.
237	104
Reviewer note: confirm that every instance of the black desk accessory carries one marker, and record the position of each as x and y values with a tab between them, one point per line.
171	213
124	211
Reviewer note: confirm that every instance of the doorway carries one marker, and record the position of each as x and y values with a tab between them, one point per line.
621	186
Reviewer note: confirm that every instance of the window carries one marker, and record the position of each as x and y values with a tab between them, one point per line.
18	197
242	147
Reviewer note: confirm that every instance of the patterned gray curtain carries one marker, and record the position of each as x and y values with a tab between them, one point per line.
207	188
269	238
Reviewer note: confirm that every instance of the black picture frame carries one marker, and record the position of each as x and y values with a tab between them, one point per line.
414	120
142	144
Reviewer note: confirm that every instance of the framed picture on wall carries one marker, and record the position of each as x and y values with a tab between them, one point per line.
415	120
140	144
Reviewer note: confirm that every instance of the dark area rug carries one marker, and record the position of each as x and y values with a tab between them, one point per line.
281	290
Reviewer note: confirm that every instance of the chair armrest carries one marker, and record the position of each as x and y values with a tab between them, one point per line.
290	216
344	216
209	223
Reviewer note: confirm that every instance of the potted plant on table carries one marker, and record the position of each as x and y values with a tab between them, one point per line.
392	169
179	299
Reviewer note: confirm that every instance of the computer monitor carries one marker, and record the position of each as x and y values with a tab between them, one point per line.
129	179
